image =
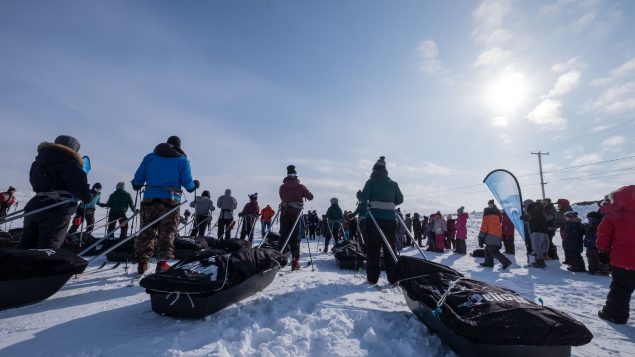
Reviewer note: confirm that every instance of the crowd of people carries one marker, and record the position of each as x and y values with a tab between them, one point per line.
57	175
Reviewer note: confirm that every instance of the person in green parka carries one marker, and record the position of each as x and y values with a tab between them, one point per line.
334	218
118	202
383	196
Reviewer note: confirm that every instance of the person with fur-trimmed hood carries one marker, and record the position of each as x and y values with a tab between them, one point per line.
292	195
203	209
575	238
382	196
461	231
490	234
163	172
616	244
7	199
334	217
56	175
249	214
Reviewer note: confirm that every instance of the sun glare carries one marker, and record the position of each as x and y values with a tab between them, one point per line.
506	95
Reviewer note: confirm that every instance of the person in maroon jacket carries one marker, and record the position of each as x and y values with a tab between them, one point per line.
249	214
292	195
508	234
616	246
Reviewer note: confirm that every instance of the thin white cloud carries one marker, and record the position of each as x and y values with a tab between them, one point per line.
492	56
548	114
505	139
565	84
625	70
573	63
616	100
488	19
613	141
592	17
429	55
602	128
587	159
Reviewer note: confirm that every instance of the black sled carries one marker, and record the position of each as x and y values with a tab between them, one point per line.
479	319
186	247
212	280
123	253
349	255
30	276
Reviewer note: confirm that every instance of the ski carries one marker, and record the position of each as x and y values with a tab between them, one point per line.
101	268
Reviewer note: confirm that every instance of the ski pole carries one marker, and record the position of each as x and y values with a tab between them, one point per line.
198	224
228	227
87	249
411	236
122	241
291	232
10	215
81	229
107	215
328	225
381	233
251	231
264	238
14	210
309	246
240	222
5	220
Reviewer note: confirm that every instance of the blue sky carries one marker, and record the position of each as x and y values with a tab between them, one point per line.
447	91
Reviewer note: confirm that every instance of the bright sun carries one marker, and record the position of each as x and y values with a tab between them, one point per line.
506	95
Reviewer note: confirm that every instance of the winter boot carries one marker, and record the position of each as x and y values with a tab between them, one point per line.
142	266
295	264
539	263
487	265
506	264
162	266
605	316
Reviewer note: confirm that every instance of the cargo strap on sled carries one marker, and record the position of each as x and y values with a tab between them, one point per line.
437	310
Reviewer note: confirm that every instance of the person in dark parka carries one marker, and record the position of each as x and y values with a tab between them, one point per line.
56	175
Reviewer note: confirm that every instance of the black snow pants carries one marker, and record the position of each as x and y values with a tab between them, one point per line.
374	243
619	297
45	230
286	223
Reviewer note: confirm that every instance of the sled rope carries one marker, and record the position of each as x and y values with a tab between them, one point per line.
178	296
437	311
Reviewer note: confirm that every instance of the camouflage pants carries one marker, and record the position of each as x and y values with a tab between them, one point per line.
164	231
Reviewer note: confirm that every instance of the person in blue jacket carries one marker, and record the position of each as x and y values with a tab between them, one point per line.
163	172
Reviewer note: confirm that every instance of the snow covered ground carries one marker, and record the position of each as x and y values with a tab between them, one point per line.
326	312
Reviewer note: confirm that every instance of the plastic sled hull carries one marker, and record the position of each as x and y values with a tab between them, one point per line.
184	253
22	292
198	306
351	264
462	347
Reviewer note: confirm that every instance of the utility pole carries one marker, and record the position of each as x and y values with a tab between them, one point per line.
542	181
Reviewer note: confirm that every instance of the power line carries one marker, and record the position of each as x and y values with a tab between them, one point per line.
594	176
578	166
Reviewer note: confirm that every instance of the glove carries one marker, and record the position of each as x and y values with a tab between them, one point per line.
197	184
187	213
481	239
136	211
240	214
603	257
135	187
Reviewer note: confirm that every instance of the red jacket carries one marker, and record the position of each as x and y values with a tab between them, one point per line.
508	226
267	214
292	191
251	208
6	200
461	226
616	233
